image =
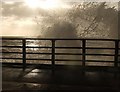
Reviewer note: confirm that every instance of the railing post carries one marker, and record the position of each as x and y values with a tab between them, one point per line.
116	53
53	53
24	53
83	52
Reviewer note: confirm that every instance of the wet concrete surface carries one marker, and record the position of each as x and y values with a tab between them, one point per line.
36	79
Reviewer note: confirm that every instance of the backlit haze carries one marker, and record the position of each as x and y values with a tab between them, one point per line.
19	16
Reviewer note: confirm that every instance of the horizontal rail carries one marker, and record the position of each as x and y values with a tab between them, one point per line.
60	53
99	48
11	58
59	47
67	60
12	52
12	46
34	38
38	59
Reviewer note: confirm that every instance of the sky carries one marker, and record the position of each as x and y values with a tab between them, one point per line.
18	16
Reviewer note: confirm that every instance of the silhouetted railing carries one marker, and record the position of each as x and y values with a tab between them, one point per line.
21	45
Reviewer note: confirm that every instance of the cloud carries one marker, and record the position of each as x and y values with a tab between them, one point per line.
22	27
16	9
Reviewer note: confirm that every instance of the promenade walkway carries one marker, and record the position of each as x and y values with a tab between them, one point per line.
40	78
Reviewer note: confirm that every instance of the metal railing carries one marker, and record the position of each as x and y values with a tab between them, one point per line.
113	45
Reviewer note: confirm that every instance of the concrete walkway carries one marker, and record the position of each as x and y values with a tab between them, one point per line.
36	79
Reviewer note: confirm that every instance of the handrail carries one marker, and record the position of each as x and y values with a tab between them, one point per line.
53	48
35	38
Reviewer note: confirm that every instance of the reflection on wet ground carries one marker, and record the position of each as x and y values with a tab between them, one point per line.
34	78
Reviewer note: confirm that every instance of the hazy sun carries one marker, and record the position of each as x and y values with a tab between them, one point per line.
50	4
45	4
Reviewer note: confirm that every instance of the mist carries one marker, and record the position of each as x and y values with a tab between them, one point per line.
86	20
79	20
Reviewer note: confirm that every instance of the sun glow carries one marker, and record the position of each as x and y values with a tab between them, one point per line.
32	3
51	4
46	4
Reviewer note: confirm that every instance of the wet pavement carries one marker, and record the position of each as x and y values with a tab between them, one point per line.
39	79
